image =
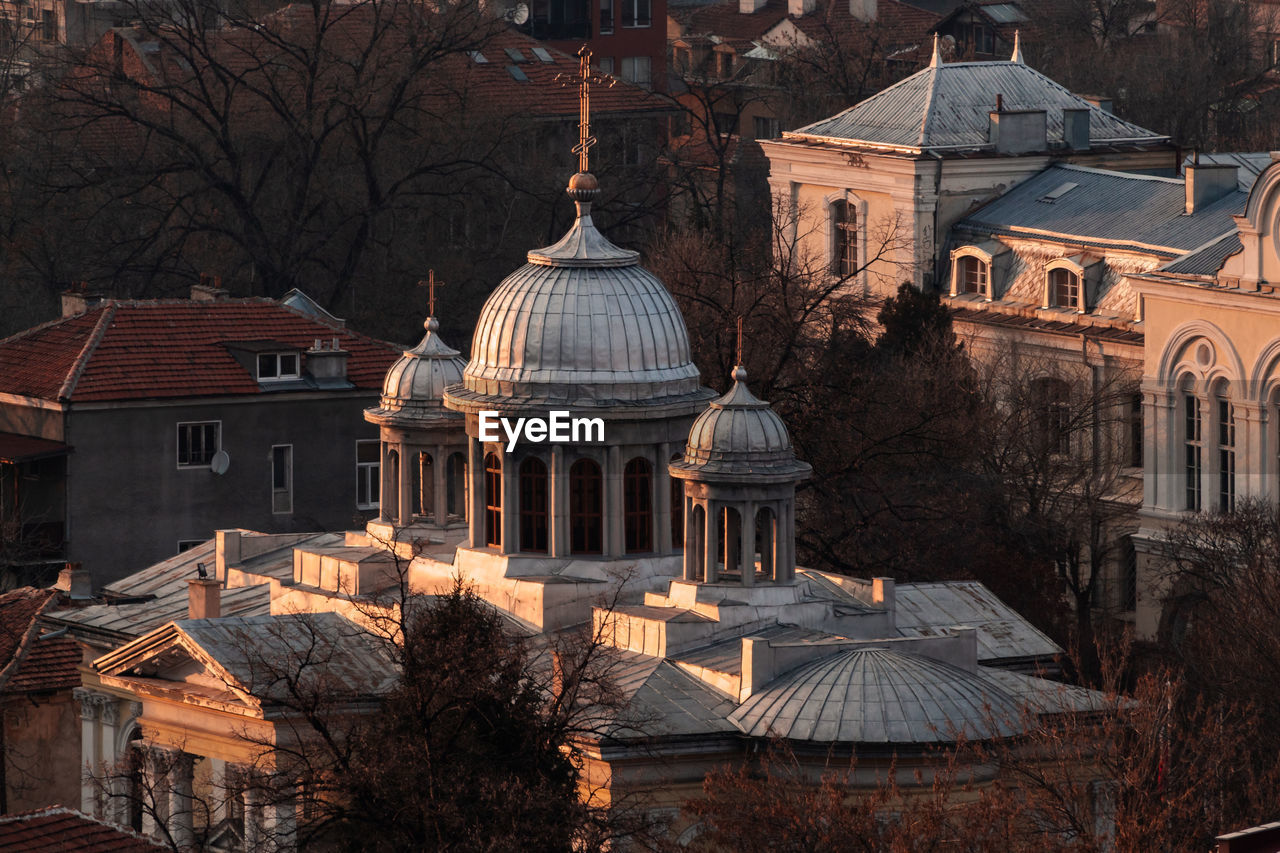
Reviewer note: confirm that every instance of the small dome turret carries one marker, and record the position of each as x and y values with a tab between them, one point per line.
414	386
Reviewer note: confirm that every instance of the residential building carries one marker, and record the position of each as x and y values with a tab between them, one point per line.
190	414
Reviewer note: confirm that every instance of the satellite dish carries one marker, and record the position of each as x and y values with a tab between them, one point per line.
220	462
519	14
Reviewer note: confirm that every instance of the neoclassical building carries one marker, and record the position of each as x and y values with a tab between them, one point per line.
670	532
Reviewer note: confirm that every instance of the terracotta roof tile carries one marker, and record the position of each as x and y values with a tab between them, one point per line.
18	611
61	829
48	665
168	348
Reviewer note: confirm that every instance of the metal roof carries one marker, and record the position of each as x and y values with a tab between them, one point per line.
949	105
879	696
414	387
1207	259
1249	164
1118	209
933	609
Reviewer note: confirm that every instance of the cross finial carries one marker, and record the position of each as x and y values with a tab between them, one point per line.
430	284
739	361
585	77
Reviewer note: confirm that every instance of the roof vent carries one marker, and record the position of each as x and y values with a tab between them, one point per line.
517	74
1058	192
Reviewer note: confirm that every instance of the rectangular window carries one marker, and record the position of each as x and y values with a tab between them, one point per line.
1135	431
637	13
198	442
845	252
49	25
1226	456
1065	288
282	478
767	128
606	17
187	544
1191	442
368	470
274	366
635	69
604	64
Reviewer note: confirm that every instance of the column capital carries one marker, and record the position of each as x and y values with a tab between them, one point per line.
90	703
110	710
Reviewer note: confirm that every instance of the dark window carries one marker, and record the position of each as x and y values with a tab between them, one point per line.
1064	288
1191	439
766	127
606	17
456	486
368	470
1135	431
677	508
1226	456
636	13
49	25
277	365
844	218
533	506
638	512
586	508
1129	578
1052	401
197	443
282	478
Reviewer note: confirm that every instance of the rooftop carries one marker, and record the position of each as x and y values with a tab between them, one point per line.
59	828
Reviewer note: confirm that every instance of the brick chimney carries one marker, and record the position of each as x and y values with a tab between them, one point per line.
204	598
75	581
209	289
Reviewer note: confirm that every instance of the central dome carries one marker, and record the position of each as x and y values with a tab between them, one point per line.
581	324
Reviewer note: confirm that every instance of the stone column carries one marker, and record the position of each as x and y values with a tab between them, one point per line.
280	816
155	794
733	539
386	498
109	711
785	546
440	500
90	751
253	797
747	548
614	546
510	504
404	489
662	503
711	542
558	503
1161	446
181	814
1251	467
475	477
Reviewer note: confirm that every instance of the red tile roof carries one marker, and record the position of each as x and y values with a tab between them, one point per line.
49	664
24	448
169	348
724	20
18	611
62	829
897	26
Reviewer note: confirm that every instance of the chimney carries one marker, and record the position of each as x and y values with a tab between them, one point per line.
864	10
227	551
78	299
208	290
75	581
1075	128
799	8
749	7
327	364
1206	183
204	598
884	594
1018	131
1100	101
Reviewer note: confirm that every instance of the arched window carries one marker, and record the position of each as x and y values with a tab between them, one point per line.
677	508
1064	288
766	536
699	534
456	486
1226	428
972	275
424	483
1192	449
586	508
637	498
493	500
844	222
533	506
1051	399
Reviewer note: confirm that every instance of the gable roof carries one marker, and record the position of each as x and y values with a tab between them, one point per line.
169	348
28	662
947	106
1105	208
61	828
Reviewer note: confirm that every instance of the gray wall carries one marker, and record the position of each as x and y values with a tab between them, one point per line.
130	504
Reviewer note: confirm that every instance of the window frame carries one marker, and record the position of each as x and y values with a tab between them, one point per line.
1192	434
844	245
366	470
277	489
607	14
586	522
535	507
217	444
638	506
631	12
493	500
279	375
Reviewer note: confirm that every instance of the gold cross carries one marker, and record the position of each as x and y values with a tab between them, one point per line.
739	362
583	79
430	284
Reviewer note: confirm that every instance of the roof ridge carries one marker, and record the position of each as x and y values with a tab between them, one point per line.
929	96
59	809
1113	173
86	352
25	644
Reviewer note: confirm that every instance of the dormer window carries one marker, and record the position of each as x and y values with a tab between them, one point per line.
1064	288
974	268
276	366
972	275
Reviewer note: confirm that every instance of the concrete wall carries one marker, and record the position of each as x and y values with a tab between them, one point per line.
130	504
42	752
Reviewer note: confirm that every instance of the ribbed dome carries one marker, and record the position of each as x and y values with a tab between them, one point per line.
583	324
879	696
739	434
414	386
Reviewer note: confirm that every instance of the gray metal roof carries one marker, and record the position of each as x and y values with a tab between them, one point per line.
668	701
1107	208
879	696
948	106
932	609
414	386
1207	259
1249	164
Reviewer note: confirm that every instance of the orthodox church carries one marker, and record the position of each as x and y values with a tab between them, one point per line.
668	528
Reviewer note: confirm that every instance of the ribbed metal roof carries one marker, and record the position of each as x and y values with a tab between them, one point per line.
583	324
739	435
414	387
1107	208
933	609
948	106
1207	259
881	697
